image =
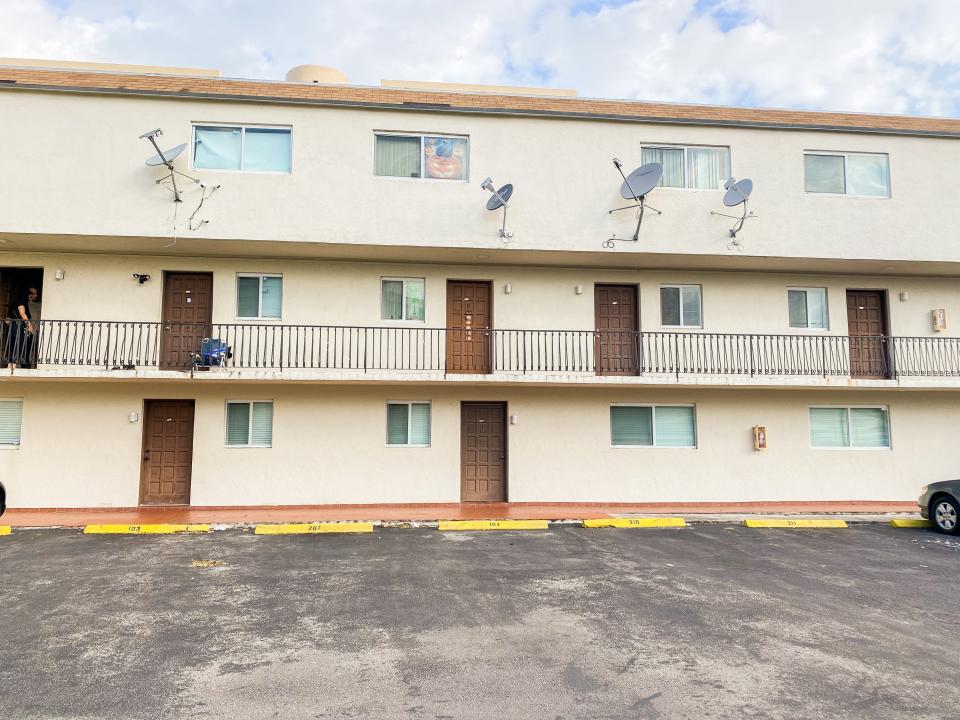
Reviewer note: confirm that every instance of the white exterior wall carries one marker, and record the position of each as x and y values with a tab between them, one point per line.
80	449
92	181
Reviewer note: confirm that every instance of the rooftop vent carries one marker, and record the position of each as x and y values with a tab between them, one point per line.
319	74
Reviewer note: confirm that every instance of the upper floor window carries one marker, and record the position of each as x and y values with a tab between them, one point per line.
847	174
402	299
808	308
237	147
699	168
680	306
259	296
437	157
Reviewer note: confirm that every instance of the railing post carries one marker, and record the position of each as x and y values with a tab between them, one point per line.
106	352
752	359
676	356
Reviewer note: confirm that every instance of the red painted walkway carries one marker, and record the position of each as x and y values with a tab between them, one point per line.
78	517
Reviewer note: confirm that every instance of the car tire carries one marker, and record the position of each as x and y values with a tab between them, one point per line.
945	514
3	499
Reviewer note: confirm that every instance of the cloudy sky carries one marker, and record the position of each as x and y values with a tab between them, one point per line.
892	56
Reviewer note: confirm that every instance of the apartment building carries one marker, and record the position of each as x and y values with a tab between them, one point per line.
330	314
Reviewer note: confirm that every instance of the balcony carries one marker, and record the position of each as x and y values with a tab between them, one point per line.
59	348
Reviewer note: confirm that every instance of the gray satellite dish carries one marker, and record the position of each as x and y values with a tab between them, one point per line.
500	199
738	191
167	156
635	187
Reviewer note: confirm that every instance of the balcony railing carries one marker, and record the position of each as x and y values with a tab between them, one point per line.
181	346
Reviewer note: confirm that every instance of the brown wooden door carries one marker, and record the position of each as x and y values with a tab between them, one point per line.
167	452
187	313
469	323
615	307
483	452
867	328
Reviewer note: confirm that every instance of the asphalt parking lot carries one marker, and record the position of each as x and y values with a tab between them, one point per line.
709	621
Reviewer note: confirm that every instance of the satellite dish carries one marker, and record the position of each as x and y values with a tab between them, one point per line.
500	199
635	187
167	156
738	192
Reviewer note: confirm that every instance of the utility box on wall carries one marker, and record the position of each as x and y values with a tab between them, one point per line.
759	437
940	319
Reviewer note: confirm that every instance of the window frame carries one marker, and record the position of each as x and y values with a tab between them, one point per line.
421	135
403	299
653	422
243	139
826	308
226	424
259	315
408	403
19	443
680	286
685	147
846	184
851	446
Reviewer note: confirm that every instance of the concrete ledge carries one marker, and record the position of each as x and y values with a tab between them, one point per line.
143	529
313	528
665	522
783	523
493	525
910	523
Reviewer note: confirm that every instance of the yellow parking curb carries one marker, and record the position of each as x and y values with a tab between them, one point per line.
492	525
777	523
634	523
313	528
143	529
5	530
910	523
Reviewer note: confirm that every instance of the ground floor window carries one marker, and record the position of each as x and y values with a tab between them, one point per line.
849	427
653	426
408	424
250	423
11	413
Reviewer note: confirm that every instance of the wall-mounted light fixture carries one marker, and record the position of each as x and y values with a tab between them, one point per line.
904	295
141	277
578	289
508	288
58	274
514	419
134	417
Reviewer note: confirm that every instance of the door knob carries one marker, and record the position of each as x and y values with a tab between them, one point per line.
146	455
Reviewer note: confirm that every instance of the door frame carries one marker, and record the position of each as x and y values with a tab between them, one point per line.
143	447
163	308
490	338
506	448
888	357
598	357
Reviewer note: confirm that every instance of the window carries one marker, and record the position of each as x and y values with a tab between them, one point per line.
808	308
849	427
408	424
438	157
402	299
11	413
234	147
847	174
699	168
249	424
653	426
680	306
259	296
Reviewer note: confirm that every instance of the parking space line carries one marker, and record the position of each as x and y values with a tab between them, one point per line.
780	523
164	529
313	528
5	530
634	523
493	525
911	523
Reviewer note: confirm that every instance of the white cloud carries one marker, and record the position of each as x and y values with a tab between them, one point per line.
883	56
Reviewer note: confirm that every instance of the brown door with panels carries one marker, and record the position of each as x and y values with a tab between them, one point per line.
616	343
483	452
469	323
867	328
167	459
187	314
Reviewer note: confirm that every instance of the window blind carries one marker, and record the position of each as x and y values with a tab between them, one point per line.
631	425
216	148
266	149
829	428
675	426
420	424
261	430
11	415
396	156
272	297
238	423
797	302
248	297
869	427
397	423
670	306
691	306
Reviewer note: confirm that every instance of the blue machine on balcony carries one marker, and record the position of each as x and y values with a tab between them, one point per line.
214	352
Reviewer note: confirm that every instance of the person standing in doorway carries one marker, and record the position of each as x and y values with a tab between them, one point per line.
23	330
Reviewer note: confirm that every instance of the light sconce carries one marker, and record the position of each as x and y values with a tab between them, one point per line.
578	289
514	419
904	296
508	288
134	417
59	274
141	277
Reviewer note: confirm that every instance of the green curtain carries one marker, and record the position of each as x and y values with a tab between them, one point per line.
238	423
675	426
631	425
397	156
11	412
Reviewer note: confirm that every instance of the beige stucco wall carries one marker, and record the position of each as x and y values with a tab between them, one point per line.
88	178
79	447
101	287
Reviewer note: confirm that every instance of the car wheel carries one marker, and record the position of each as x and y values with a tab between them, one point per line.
945	514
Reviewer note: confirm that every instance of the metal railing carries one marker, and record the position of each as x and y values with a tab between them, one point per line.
180	346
